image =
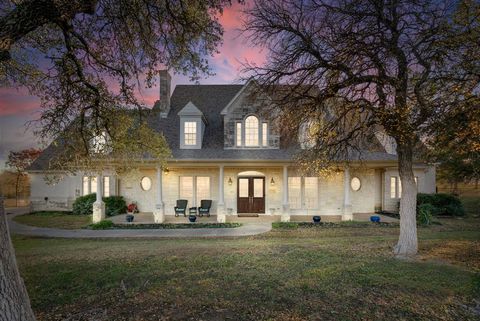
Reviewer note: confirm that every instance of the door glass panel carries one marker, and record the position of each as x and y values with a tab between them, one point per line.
243	187
258	187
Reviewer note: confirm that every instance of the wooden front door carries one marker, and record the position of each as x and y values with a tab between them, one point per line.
251	195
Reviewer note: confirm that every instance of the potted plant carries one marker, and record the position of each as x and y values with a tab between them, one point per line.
132	208
316	219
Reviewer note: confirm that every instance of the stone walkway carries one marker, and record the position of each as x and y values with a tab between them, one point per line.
247	229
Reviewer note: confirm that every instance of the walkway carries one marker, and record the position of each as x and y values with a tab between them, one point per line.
247	229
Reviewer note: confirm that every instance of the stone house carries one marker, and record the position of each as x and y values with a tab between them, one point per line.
224	151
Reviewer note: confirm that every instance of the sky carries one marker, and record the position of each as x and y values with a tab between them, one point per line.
18	108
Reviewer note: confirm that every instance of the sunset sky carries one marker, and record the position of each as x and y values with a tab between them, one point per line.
17	107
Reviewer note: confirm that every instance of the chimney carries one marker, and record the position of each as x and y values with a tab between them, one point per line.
163	104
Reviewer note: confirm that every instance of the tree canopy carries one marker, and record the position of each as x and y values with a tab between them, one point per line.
357	68
88	59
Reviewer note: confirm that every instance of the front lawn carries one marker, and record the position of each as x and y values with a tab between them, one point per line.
64	220
340	273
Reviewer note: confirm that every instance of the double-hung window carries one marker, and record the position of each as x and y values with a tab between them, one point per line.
190	133
90	185
303	192
194	189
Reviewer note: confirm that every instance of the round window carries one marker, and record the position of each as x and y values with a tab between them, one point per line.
146	183
355	183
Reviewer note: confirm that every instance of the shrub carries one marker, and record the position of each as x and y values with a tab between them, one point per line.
83	205
102	225
285	225
444	204
425	213
115	205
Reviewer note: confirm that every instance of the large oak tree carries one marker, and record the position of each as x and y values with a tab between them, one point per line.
355	67
87	61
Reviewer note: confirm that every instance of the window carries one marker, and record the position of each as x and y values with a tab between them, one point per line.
303	192
190	133
93	184
251	131
355	184
393	187
202	189
264	134
146	183
106	186
295	192
90	185
194	189
239	134
311	193
86	185
399	188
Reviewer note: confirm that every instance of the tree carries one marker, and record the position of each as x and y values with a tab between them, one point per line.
87	60
15	304
356	67
20	161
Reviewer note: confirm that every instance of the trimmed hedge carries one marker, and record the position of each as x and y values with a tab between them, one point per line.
442	204
114	205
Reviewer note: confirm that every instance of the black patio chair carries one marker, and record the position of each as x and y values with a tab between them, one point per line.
205	207
181	207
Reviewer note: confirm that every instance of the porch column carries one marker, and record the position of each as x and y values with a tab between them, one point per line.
221	197
347	205
159	212
286	206
99	205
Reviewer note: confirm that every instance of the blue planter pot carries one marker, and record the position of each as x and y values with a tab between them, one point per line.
375	219
129	218
192	218
316	219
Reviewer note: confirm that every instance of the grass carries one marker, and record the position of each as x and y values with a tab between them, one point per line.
63	220
471	205
340	273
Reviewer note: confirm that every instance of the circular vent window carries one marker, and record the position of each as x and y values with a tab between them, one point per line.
355	183
146	183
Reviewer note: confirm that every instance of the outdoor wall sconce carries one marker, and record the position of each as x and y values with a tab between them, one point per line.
272	182
230	182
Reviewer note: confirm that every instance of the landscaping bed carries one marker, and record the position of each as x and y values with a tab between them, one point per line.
104	225
295	225
54	219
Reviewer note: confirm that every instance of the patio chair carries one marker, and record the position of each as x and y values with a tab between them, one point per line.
181	207
205	207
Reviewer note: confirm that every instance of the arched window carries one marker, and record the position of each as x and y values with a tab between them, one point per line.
251	131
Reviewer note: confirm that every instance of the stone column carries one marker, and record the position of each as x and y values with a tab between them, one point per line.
285	205
159	212
221	218
347	204
99	205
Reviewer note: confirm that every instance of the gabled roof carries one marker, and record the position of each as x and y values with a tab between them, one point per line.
190	110
209	101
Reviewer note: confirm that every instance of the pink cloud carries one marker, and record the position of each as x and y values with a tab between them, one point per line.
17	101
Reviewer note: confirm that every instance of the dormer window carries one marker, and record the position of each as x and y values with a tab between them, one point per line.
251	133
190	133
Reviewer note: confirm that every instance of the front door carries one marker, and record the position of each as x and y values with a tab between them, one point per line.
251	195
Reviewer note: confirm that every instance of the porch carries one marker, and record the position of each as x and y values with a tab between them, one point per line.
273	192
148	218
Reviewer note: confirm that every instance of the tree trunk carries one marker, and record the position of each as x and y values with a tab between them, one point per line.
407	245
16	190
14	301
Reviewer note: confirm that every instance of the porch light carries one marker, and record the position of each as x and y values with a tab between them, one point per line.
230	182
272	182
